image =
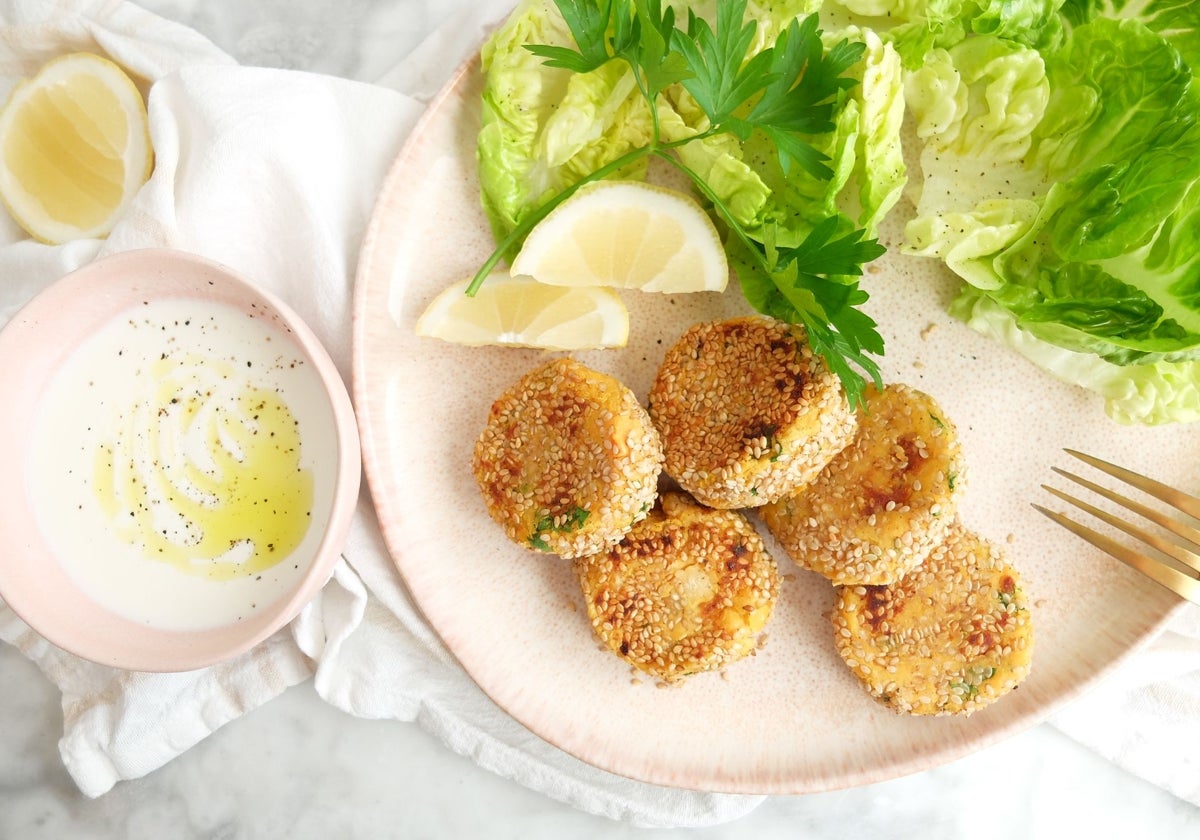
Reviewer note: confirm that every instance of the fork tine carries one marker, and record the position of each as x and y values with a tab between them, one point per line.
1180	584
1179	529
1184	555
1177	499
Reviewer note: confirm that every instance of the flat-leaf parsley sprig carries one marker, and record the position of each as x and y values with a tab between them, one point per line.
786	92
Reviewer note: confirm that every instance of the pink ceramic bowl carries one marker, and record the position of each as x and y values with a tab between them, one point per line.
116	608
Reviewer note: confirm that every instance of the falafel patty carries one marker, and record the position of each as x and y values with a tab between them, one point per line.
747	412
951	637
689	589
884	502
568	460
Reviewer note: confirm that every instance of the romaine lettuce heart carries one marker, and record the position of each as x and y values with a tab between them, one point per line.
1088	240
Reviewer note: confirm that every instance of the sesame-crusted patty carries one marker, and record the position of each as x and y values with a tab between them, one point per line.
568	460
883	503
747	411
950	637
689	589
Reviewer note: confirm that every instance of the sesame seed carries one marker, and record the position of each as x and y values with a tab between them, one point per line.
781	413
568	460
876	511
688	590
939	631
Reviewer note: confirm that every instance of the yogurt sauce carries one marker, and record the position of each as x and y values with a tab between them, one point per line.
167	471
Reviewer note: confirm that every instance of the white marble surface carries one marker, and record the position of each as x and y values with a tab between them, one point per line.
299	768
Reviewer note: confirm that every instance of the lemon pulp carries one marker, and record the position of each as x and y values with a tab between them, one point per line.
520	312
69	154
626	234
74	148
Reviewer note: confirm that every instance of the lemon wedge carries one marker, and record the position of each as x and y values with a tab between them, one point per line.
74	148
518	311
626	234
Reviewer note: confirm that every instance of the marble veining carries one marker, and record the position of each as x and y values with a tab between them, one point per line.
299	768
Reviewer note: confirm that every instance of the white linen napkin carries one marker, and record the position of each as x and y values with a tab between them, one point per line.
1146	716
275	173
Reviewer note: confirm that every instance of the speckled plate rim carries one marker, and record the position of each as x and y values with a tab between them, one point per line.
1114	612
88	298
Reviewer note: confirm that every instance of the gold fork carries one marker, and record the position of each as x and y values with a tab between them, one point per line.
1184	579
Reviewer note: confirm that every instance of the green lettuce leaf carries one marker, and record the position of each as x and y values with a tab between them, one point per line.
1117	88
1177	21
1034	23
542	128
913	27
863	154
1095	250
1148	394
881	174
916	27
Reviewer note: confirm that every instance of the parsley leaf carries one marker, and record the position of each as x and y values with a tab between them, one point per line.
650	51
785	284
801	99
820	254
723	79
588	22
641	34
787	92
566	523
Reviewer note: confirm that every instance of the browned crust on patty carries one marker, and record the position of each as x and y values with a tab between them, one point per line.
689	589
882	503
950	637
747	412
568	460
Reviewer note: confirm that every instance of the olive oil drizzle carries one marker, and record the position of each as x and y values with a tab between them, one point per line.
207	475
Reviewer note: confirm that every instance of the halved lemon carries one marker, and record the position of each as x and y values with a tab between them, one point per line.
626	234
521	312
74	148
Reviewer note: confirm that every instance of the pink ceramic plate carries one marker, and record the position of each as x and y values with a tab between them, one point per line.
792	719
34	579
